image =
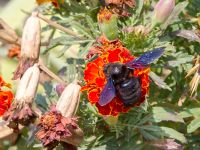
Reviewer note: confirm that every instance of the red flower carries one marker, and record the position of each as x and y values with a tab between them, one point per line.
96	80
6	97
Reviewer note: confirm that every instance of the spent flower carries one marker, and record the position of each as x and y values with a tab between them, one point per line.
59	124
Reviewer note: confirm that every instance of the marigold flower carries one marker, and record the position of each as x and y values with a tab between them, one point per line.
54	2
6	98
96	80
14	51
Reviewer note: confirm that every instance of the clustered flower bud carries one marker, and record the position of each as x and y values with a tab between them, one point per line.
30	45
21	111
108	23
59	124
163	10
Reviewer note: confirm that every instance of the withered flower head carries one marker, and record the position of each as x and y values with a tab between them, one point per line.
58	125
30	45
120	7
20	111
54	127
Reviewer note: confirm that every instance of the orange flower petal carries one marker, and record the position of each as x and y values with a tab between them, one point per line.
5	101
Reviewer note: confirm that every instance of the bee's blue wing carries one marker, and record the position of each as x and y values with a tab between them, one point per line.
108	93
145	59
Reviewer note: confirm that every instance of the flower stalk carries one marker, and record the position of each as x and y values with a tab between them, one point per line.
7	34
20	111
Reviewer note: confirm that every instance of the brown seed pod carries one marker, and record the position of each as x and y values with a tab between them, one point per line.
30	45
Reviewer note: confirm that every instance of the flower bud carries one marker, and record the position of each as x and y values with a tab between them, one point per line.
108	23
163	10
69	100
110	120
28	85
30	45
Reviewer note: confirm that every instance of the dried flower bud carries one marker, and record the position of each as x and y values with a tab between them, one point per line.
30	45
108	23
20	111
163	10
7	34
69	100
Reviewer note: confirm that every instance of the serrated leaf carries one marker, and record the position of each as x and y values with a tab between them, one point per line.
194	125
165	114
158	81
187	34
190	112
174	15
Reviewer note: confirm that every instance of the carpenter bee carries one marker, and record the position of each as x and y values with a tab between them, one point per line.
121	82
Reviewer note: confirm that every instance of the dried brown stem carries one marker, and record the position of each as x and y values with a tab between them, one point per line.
58	26
49	72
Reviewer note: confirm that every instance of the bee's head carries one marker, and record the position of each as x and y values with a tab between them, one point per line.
114	69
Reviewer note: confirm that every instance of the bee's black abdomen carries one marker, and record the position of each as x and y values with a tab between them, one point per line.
129	91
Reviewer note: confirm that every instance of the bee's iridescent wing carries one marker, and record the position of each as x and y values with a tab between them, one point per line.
108	93
145	59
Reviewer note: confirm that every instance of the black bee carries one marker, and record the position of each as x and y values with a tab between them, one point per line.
121	82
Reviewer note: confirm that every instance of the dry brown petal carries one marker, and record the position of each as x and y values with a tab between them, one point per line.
53	127
120	7
19	113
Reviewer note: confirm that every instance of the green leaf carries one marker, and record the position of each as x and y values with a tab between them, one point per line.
167	132
190	112
174	15
194	125
181	58
139	6
158	81
165	114
171	133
